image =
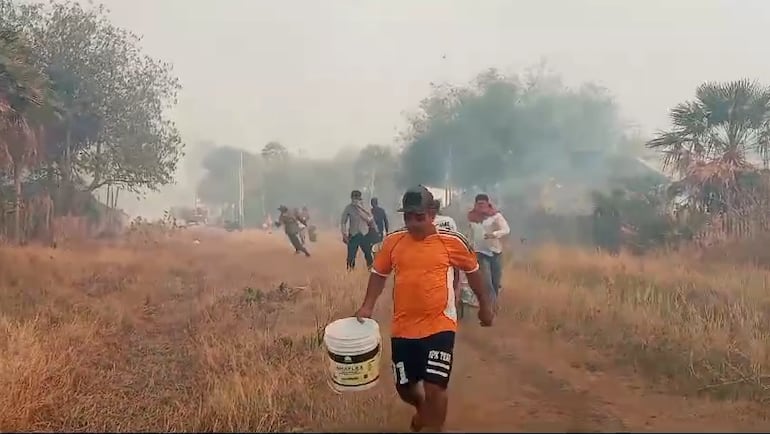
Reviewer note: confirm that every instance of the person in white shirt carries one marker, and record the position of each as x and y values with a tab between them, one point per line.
448	223
487	227
443	221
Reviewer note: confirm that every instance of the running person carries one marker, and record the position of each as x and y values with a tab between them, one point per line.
291	225
487	227
424	313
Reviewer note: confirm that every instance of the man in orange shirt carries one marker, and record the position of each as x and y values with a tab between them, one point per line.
424	311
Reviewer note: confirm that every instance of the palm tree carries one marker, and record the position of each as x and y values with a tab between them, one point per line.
713	142
24	93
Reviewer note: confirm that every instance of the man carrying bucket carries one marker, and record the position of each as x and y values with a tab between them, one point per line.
424	311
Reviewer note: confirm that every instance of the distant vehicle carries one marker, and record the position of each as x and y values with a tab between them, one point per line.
191	216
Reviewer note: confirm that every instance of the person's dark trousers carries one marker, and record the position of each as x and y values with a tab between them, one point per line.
298	247
355	242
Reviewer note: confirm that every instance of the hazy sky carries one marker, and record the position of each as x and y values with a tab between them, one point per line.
321	74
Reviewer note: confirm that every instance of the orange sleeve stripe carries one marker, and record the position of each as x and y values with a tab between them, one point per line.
390	240
458	236
396	232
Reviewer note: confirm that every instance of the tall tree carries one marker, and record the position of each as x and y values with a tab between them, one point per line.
114	130
24	108
499	127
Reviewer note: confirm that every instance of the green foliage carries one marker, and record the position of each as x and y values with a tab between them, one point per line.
24	91
645	216
26	103
715	144
112	128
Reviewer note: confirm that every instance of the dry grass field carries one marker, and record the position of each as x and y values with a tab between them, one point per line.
225	335
697	326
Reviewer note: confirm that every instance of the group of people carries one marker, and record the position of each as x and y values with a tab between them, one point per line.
362	229
427	257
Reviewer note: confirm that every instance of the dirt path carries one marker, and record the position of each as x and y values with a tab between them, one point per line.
509	378
512	377
534	384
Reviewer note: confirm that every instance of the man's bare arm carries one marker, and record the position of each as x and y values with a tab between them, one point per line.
344	221
373	290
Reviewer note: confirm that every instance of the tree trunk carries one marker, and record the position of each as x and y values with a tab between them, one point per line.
17	189
65	193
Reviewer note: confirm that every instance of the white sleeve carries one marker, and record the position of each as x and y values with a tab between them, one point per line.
504	228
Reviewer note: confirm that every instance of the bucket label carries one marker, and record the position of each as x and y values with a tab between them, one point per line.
352	371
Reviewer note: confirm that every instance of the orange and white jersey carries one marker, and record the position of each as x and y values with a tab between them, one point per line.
423	289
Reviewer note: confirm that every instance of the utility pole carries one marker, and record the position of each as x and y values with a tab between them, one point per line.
448	177
372	182
240	190
448	169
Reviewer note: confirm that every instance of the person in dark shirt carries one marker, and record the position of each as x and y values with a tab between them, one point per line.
380	218
291	225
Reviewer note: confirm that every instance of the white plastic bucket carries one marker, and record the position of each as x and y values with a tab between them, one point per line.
353	351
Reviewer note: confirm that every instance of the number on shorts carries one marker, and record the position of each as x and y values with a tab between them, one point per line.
399	373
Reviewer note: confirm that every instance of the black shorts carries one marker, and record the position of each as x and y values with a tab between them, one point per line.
428	359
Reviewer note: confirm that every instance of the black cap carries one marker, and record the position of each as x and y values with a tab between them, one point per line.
417	199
